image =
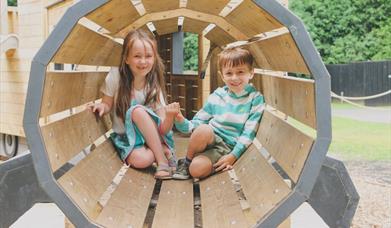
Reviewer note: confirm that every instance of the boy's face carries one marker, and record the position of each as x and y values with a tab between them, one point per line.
236	78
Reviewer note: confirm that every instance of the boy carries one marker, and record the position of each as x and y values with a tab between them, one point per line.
227	123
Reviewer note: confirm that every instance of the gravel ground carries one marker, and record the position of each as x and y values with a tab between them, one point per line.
373	184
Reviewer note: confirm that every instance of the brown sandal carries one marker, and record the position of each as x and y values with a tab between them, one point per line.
165	168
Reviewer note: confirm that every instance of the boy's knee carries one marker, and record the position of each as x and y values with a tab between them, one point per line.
203	131
200	167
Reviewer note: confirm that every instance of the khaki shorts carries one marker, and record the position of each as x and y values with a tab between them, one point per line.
216	150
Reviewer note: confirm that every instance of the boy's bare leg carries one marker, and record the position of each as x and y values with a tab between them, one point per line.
149	130
201	137
201	166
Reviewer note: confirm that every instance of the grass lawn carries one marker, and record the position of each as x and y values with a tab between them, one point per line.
359	140
354	139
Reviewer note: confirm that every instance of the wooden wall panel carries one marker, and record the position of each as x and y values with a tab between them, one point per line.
88	180
263	187
281	54
219	36
292	96
152	6
86	47
166	26
207	6
194	26
287	145
251	19
114	15
66	138
64	90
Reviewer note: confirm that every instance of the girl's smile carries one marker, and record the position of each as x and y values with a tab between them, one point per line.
140	59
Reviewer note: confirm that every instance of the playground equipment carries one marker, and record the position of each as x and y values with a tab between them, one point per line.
91	192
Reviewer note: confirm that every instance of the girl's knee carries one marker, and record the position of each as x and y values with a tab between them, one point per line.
200	167
141	158
137	113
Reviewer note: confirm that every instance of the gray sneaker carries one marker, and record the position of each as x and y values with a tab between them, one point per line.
182	172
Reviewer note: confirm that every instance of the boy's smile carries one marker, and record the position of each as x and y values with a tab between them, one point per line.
237	77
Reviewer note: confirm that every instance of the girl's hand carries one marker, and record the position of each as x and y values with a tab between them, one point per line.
179	117
172	109
225	163
98	108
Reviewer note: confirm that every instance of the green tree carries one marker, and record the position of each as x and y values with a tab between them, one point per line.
190	49
12	2
347	30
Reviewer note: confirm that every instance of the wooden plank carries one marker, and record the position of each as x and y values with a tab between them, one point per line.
219	36
129	203
13	87
293	152
12	108
220	203
181	143
295	97
15	65
175	207
15	98
11	118
67	137
114	15
86	47
193	26
64	90
88	180
281	54
166	26
251	19
12	129
262	186
152	6
208	18
207	6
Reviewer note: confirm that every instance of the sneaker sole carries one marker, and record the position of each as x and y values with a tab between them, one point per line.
180	177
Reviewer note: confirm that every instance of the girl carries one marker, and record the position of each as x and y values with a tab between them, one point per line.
134	95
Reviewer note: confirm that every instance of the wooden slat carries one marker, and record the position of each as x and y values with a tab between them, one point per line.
129	203
181	143
194	26
281	54
166	26
251	19
287	145
175	205
263	187
152	6
114	15
295	97
220	203
88	180
86	47
219	36
64	90
207	6
66	138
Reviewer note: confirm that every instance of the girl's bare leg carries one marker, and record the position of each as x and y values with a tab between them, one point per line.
141	158
149	130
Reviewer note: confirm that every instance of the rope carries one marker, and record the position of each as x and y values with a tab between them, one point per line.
358	105
364	98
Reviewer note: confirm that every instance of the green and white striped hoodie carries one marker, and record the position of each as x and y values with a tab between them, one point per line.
234	117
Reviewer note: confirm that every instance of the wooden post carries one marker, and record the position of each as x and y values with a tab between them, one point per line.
3	17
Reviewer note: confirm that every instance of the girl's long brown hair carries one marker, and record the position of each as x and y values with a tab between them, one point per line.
155	83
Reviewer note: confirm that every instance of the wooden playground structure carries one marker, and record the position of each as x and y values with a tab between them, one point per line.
79	170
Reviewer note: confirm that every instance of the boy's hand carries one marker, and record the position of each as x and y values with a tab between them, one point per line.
172	109
225	163
179	117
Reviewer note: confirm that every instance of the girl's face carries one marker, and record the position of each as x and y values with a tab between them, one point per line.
140	58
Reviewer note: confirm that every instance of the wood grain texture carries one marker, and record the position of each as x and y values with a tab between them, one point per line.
220	203
64	90
66	138
129	203
293	152
175	208
88	180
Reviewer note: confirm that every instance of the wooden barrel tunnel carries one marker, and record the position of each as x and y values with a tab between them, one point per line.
98	191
